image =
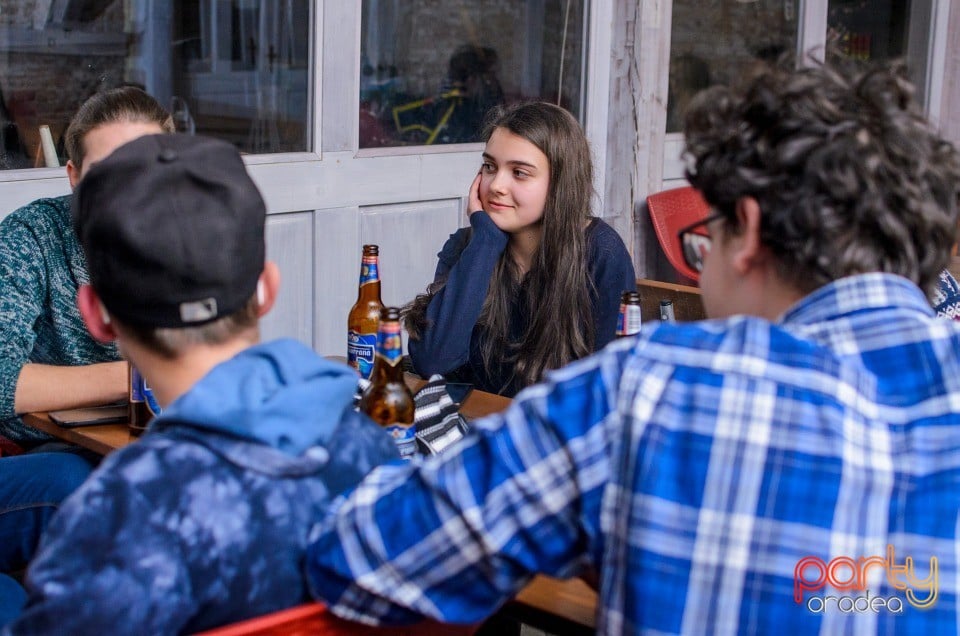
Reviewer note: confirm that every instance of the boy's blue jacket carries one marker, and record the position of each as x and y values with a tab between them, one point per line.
204	521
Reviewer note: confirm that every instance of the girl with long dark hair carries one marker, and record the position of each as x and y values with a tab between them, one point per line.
535	281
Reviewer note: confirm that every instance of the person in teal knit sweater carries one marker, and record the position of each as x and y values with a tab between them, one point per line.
48	361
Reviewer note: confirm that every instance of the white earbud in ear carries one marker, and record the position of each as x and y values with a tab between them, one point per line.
261	295
104	315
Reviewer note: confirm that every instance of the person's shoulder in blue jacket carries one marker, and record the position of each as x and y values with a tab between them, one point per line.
205	520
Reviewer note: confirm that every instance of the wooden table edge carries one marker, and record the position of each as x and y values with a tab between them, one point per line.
569	599
101	438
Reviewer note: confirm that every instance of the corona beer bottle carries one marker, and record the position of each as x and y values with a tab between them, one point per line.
365	314
387	400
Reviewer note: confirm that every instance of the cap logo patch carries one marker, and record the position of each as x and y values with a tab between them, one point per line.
198	310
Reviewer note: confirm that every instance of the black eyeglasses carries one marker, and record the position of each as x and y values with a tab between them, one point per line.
695	242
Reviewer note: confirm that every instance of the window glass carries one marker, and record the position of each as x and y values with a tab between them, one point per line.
869	30
234	69
714	41
877	30
430	70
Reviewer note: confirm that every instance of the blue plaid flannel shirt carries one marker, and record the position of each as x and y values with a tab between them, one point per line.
695	468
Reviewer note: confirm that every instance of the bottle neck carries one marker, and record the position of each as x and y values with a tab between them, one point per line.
370	291
388	366
369	278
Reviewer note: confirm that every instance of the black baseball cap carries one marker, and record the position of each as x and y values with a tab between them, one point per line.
172	228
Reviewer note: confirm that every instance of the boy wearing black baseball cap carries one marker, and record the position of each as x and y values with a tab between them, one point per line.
205	519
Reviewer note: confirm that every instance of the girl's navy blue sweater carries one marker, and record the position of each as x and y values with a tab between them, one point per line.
451	342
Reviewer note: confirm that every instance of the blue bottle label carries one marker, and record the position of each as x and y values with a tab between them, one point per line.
140	392
369	271
361	349
389	345
404	435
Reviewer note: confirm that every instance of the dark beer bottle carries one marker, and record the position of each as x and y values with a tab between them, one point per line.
365	314
143	406
628	321
387	400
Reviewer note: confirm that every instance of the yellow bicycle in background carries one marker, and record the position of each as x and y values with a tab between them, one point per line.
418	111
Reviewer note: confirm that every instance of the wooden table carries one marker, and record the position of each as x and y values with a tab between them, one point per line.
477	404
101	438
564	607
105	438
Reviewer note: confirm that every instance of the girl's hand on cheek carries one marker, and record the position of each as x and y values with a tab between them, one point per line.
474	204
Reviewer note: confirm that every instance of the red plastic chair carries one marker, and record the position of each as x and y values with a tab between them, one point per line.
296	621
671	211
8	448
313	618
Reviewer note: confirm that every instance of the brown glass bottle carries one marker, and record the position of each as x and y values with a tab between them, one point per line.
387	400
628	322
143	407
364	316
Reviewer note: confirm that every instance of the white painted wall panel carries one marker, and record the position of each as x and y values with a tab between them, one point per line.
17	191
409	236
673	163
337	251
290	246
343	179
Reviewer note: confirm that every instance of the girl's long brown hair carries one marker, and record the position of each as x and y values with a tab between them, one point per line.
557	290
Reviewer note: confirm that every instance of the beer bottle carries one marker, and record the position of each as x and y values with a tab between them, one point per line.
387	400
365	314
628	322
143	406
